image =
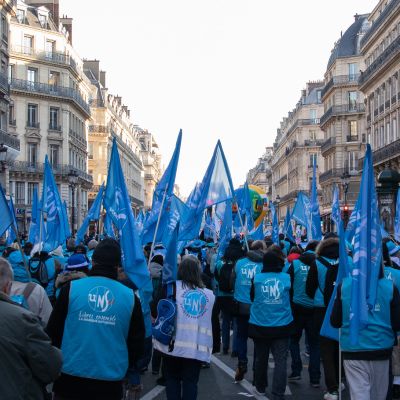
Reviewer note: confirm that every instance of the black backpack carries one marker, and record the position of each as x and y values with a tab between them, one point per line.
38	271
223	276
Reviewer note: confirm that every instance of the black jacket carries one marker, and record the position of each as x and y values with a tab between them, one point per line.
328	248
337	322
83	388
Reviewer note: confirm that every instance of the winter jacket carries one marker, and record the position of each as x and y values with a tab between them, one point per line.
68	276
18	266
28	361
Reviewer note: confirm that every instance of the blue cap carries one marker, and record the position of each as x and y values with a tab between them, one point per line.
76	261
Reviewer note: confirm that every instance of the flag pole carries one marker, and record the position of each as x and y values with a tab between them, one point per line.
241	224
158	223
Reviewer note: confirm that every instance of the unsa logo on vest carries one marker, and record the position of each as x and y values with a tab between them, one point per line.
194	303
100	299
272	290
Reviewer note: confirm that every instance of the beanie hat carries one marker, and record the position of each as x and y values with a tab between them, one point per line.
92	244
107	253
76	261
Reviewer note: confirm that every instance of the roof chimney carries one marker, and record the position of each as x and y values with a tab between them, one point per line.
51	5
67	23
103	78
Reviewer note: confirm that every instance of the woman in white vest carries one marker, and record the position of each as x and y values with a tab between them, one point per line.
193	336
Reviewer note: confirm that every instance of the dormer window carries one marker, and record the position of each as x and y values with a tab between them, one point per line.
43	20
21	16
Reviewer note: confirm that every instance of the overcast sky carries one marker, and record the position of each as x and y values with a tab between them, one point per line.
218	69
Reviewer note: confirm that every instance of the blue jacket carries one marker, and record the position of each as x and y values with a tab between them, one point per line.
17	263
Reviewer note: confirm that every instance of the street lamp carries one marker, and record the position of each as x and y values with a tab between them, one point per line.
73	180
345	178
3	158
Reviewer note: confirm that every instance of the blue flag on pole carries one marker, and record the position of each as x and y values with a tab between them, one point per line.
216	187
287	226
108	227
34	227
117	204
161	199
316	233
6	218
92	215
367	256
11	236
275	225
397	218
302	213
327	329
169	271
52	206
225	233
257	233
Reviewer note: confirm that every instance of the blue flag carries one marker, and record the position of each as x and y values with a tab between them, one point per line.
108	227
327	329
367	256
117	204
316	233
92	215
169	271
52	206
34	228
397	218
257	233
287	226
11	236
275	225
351	224
216	187
302	213
225	233
161	199
6	218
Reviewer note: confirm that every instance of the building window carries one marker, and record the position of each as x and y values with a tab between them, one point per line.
313	135
394	129
388	136
32	74
11	72
28	44
54	78
32	154
90	151
31	188
21	16
54	149
352	71
11	114
313	159
352	160
43	20
32	116
319	96
50	48
353	129
313	115
20	192
4	28
352	98
54	119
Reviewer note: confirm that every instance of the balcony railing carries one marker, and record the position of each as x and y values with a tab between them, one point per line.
381	109
336	173
12	122
389	53
58	169
378	22
302	122
340	80
394	99
53	127
49	56
99	128
4	83
51	90
387	152
33	124
9	140
317	142
342	110
328	144
350	138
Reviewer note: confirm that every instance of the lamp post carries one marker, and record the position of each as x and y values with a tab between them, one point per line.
345	186
73	180
3	167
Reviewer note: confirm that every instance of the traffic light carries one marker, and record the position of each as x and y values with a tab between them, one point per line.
346	215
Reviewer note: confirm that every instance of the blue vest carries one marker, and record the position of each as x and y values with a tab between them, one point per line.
271	306
245	270
96	329
299	284
393	275
378	334
286	266
319	294
51	273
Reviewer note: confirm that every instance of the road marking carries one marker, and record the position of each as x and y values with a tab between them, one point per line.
153	393
246	384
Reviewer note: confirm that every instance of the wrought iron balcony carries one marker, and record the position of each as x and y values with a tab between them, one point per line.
390	52
328	144
340	80
4	86
54	127
385	153
343	109
67	93
302	122
99	128
336	173
317	142
391	6
9	140
33	124
55	57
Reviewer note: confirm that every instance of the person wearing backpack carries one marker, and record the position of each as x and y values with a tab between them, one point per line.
320	283
245	270
192	341
224	294
303	314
